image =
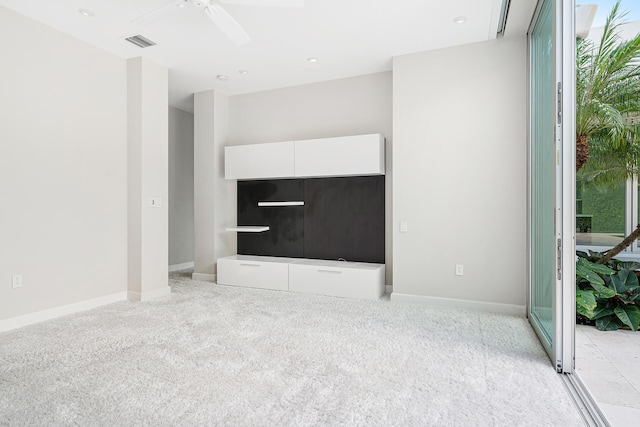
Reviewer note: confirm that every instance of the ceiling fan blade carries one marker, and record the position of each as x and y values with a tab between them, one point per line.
267	3
227	24
157	14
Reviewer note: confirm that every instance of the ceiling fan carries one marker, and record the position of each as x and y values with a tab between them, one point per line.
214	10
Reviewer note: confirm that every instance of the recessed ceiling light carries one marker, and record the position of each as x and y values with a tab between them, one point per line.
243	72
222	77
85	12
460	19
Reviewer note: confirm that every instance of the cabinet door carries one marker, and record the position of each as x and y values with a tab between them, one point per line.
253	273
326	278
259	161
341	156
344	218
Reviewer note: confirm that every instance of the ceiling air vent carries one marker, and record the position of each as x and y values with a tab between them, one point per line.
140	41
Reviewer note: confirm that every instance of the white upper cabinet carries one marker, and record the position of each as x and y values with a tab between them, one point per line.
259	161
341	156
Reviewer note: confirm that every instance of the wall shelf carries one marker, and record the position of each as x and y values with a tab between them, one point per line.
279	204
249	228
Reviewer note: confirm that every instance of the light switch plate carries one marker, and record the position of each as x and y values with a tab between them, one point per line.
154	202
17	281
403	226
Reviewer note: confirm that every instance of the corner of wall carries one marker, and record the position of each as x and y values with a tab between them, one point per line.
214	197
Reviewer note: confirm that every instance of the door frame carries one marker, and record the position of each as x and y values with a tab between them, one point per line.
567	292
562	347
563	354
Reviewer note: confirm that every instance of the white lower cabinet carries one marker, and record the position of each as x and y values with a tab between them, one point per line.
254	272
333	278
338	279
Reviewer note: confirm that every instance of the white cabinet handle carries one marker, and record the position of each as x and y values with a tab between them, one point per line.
330	271
250	265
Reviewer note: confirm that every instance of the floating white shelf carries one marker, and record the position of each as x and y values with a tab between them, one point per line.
249	228
277	204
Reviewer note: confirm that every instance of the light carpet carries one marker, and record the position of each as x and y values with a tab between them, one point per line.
221	355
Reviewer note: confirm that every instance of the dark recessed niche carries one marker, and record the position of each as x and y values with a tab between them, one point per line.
341	218
285	234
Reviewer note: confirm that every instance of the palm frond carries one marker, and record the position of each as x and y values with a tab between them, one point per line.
608	101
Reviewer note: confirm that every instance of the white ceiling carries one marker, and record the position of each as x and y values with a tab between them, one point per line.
349	37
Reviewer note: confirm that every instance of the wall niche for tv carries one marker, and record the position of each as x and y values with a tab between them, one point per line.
342	218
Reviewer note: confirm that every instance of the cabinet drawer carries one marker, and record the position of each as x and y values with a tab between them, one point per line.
365	282
254	274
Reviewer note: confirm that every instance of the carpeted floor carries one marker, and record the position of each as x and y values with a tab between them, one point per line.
218	355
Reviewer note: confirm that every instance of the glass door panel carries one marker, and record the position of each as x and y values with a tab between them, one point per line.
551	303
543	164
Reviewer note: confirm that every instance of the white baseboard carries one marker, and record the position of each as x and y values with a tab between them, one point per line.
148	295
492	307
204	277
183	266
52	313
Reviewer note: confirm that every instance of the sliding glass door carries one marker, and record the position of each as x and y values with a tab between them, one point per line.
551	304
543	176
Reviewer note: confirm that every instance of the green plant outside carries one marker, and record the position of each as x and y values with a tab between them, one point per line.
607	108
607	296
606	205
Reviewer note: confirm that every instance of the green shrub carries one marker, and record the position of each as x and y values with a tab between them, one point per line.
607	296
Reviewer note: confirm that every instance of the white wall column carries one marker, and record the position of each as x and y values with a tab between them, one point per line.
147	210
180	189
214	197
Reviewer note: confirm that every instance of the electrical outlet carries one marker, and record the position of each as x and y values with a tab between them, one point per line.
459	270
17	281
403	226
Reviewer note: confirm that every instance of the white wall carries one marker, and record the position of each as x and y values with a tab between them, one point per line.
63	168
225	242
214	197
180	187
352	106
147	178
459	155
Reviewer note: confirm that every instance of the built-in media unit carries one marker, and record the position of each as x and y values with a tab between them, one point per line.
310	216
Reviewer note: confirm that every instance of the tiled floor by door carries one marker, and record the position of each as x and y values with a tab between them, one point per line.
609	364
